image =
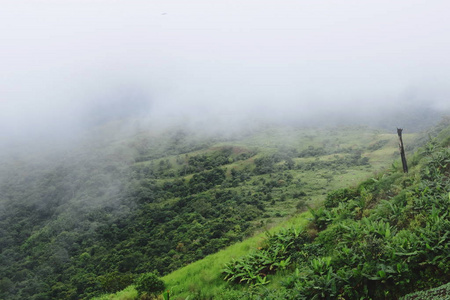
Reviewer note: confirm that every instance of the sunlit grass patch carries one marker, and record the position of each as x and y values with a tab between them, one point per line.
128	293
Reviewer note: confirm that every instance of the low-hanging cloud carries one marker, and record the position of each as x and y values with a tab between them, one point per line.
68	65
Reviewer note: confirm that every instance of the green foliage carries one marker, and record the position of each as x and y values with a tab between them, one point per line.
115	281
321	217
377	145
265	165
128	293
150	284
166	295
89	220
312	151
439	293
369	247
338	196
277	253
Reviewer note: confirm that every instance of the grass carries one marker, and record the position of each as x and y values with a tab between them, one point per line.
128	293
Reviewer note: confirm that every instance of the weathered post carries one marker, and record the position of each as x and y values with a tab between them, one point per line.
402	150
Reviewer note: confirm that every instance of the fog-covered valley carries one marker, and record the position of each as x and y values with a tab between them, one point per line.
140	137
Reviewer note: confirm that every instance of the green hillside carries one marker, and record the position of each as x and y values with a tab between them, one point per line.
382	238
82	221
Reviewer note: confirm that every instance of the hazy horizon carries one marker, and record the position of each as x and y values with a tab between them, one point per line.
66	66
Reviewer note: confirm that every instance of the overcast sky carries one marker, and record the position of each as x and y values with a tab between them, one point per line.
65	62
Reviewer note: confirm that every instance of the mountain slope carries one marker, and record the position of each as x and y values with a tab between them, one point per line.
87	220
381	239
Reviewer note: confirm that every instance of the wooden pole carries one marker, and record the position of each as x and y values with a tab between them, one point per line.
402	150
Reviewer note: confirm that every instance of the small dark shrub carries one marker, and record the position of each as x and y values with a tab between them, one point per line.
150	283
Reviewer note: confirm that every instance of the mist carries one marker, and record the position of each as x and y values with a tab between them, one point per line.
108	108
66	67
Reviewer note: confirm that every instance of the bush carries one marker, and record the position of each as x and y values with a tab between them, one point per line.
341	195
114	282
150	283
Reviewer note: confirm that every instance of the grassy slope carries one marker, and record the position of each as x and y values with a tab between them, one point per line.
315	183
204	277
419	210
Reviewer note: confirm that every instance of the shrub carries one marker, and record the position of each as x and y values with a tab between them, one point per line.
150	283
276	254
114	282
341	195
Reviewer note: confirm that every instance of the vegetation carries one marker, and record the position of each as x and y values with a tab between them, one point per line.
94	222
150	284
366	246
439	293
381	239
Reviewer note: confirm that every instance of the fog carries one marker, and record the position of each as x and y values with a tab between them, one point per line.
66	66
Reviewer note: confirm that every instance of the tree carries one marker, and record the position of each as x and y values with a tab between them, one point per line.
150	283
